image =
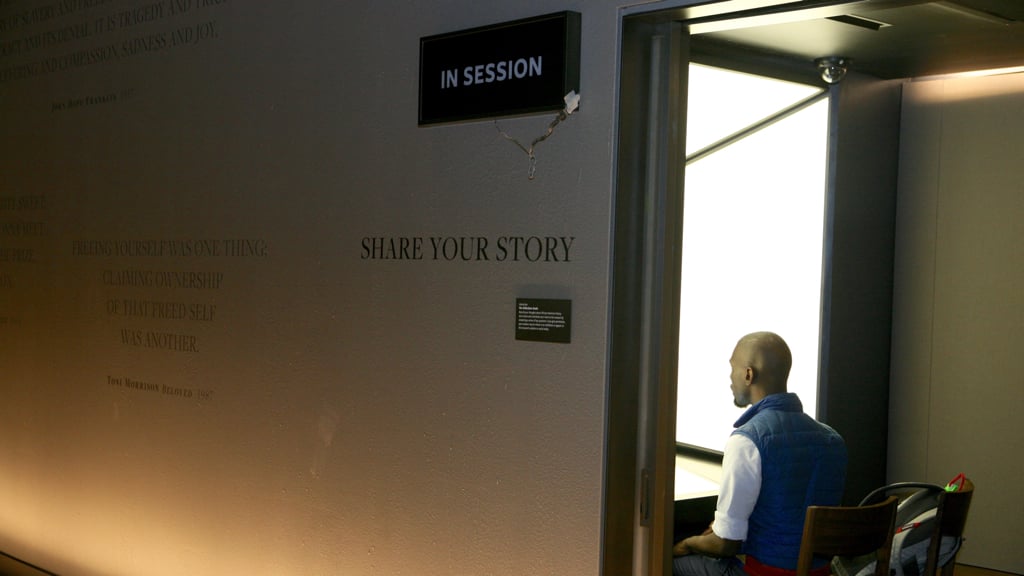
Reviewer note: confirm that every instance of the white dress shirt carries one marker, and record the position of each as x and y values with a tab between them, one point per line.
740	487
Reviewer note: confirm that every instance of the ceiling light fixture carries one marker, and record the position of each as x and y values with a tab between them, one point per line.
972	74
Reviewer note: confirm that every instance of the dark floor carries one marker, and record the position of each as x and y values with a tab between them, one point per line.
964	570
10	566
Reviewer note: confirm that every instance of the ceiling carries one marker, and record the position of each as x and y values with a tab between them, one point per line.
883	38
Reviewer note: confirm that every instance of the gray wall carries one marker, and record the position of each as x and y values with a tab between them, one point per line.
957	393
321	412
858	283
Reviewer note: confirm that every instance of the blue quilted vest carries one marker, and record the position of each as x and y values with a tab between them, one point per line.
803	463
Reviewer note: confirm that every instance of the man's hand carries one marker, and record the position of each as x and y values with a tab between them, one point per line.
708	544
681	548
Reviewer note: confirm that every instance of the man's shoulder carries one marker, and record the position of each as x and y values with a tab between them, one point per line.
771	425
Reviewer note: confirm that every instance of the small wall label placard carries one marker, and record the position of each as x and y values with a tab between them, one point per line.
543	320
517	67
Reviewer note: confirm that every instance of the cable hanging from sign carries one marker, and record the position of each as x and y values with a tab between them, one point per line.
572	102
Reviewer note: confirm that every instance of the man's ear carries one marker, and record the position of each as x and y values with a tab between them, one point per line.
748	375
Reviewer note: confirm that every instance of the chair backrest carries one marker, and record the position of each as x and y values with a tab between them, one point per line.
849	531
951	517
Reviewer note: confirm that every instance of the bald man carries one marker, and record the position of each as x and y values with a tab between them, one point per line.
777	462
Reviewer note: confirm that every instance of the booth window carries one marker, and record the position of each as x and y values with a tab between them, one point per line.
753	227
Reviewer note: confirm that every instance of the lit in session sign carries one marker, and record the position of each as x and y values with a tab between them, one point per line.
518	67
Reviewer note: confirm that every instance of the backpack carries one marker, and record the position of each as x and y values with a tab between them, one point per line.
915	521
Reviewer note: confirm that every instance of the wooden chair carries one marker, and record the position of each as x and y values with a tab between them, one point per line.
950	519
848	531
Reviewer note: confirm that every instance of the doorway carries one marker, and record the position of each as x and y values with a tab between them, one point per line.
855	214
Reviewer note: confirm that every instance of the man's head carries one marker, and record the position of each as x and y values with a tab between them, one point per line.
760	367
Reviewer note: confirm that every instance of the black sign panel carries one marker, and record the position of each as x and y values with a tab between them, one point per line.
512	68
543	320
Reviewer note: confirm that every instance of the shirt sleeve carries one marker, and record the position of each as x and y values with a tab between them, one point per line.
740	487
